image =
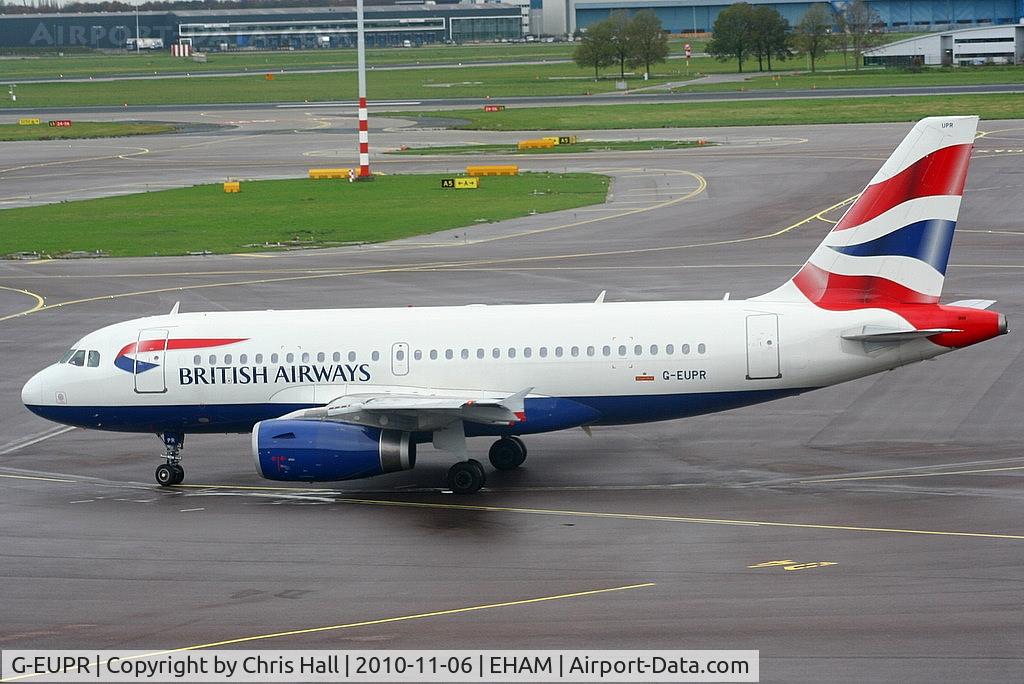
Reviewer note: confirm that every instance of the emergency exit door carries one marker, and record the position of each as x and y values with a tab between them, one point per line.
763	347
400	358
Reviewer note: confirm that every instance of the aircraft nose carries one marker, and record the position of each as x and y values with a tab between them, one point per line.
32	392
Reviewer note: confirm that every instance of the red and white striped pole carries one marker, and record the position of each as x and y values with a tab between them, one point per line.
364	122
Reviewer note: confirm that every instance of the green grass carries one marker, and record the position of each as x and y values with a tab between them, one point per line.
744	113
582	146
96	64
306	212
81	129
494	81
871	78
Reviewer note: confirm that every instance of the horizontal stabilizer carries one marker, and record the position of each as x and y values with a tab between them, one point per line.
872	333
974	303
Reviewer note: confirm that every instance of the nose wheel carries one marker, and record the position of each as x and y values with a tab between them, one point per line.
171	472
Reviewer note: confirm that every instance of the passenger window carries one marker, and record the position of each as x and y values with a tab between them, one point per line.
197	360
78	359
669	349
321	357
213	359
418	354
527	353
606	350
305	357
243	359
638	350
433	355
375	356
336	357
449	354
496	353
511	352
558	352
685	349
654	350
399	355
590	351
351	356
622	350
227	359
94	359
543	351
273	358
701	348
258	360
289	357
480	353
575	351
67	356
465	354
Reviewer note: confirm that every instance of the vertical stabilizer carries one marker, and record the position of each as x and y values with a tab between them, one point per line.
892	245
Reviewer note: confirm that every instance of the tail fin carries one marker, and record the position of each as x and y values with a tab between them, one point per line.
892	245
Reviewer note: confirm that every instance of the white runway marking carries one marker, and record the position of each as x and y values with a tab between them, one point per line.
34	439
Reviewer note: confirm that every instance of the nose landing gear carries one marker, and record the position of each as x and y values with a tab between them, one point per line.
171	472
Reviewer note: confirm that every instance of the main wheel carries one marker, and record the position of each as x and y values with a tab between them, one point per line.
508	453
179	473
166	475
465	477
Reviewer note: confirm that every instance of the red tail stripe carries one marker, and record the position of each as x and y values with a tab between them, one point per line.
942	172
843	292
185	343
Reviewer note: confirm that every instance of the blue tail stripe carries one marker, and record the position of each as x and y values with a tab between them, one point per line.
928	241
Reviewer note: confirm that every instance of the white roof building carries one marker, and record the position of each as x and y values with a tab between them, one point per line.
983	45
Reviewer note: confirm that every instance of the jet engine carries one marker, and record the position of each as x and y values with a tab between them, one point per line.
322	451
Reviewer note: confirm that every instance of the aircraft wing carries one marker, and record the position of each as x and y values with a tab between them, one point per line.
415	412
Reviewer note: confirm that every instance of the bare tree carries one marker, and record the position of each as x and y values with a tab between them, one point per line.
860	24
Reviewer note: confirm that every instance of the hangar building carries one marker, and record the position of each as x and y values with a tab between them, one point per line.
982	45
273	28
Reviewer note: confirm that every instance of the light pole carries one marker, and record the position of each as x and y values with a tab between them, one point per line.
137	36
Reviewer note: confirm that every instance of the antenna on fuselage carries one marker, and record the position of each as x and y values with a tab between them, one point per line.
600	297
174	309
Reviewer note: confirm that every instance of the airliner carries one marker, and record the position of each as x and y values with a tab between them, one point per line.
340	394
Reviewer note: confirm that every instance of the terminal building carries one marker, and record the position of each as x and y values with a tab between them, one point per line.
292	28
982	45
698	16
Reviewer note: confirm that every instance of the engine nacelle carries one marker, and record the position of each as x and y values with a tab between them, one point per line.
319	451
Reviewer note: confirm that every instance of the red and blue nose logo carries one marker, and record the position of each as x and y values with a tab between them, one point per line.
128	358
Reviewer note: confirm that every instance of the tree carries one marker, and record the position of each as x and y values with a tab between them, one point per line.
595	48
647	41
733	34
860	21
621	39
812	34
770	32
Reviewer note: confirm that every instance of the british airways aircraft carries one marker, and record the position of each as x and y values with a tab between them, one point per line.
340	394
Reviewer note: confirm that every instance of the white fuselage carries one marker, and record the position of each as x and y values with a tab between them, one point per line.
610	362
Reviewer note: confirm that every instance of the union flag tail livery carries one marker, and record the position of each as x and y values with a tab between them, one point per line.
338	394
892	246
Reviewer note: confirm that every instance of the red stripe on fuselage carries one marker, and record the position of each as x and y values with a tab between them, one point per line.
184	343
942	172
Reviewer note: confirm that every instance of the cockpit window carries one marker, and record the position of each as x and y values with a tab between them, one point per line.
78	359
94	359
67	356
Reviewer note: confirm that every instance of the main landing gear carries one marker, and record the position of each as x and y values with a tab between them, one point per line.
467	477
171	472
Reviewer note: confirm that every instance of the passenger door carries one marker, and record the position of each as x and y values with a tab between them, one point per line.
763	347
150	361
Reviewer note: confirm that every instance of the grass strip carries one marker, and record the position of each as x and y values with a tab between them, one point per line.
81	129
734	113
582	146
300	212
